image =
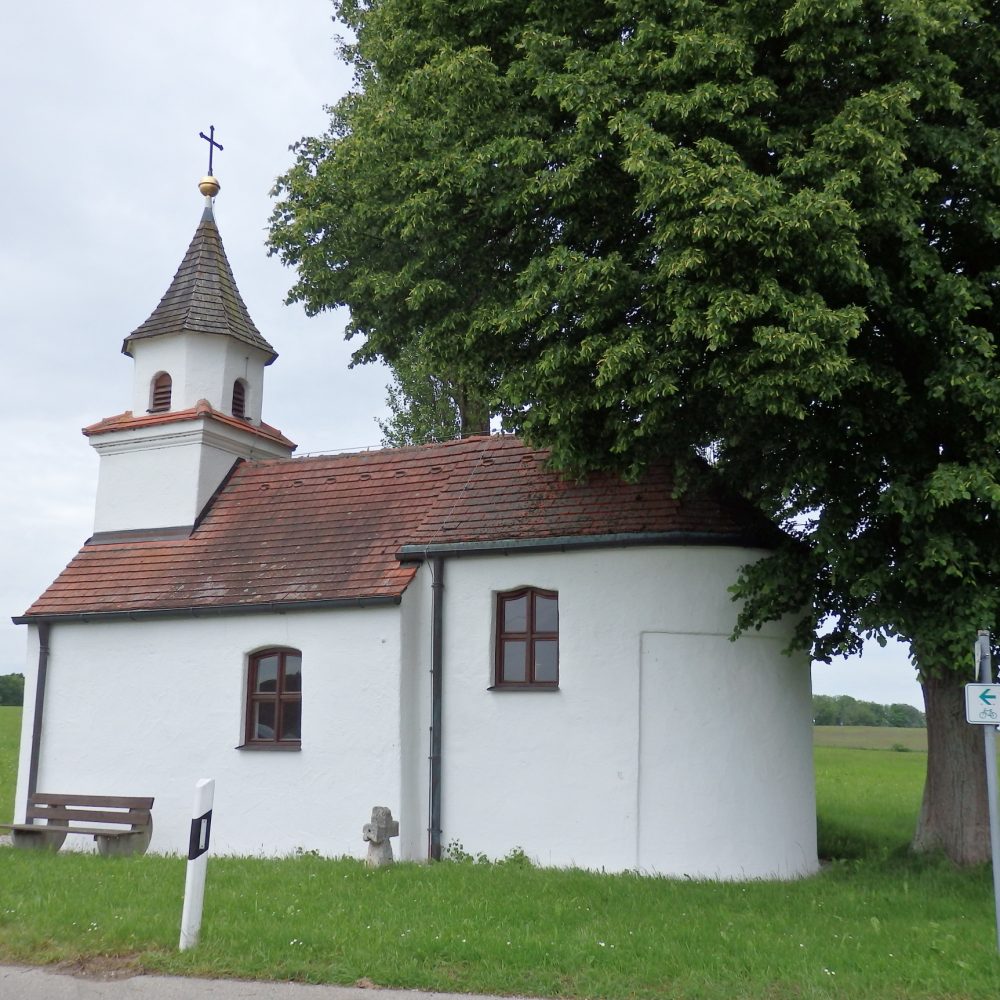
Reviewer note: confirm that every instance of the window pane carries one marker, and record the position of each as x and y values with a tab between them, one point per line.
515	614
267	674
291	720
263	720
546	614
513	660
546	660
293	672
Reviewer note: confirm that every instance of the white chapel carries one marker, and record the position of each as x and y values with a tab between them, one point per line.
505	658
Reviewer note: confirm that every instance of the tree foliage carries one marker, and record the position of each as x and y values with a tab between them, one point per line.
768	227
843	710
636	227
11	689
425	406
420	408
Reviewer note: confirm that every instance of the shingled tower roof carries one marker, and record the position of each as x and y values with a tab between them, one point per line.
203	297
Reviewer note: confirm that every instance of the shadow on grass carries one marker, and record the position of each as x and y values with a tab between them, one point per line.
838	841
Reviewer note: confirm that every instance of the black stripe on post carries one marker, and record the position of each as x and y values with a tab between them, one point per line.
201	831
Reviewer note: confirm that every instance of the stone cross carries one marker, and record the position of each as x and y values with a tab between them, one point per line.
377	833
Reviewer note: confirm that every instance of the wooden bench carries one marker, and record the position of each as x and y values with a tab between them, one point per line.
92	815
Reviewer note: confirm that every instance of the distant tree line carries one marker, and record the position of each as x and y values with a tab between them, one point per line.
11	689
843	710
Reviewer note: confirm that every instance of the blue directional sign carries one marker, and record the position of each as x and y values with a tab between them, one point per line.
982	704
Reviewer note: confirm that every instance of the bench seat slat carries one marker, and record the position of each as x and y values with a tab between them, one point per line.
140	816
105	801
42	828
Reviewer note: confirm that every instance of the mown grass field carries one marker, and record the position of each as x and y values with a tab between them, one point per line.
870	738
10	734
875	923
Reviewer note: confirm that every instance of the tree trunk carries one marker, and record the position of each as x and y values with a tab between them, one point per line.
473	414
954	817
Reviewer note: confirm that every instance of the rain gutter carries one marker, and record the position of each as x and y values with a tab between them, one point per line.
437	632
36	722
196	611
566	542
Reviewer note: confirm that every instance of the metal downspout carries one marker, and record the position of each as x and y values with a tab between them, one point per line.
437	601
36	724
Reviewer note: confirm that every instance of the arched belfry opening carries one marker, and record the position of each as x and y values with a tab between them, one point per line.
240	399
159	393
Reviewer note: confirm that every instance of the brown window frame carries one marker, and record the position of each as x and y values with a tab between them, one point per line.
279	698
239	401
161	392
529	636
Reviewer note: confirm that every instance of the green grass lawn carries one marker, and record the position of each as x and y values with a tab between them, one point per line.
868	788
10	734
866	801
875	923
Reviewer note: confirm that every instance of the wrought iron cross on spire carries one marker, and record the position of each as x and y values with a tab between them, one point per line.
212	146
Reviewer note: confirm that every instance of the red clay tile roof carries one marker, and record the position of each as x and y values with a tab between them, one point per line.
203	408
203	297
331	528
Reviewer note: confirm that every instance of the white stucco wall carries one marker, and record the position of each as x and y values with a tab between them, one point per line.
741	803
415	716
666	748
149	707
201	366
163	476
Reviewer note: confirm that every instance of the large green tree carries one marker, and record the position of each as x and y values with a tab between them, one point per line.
769	228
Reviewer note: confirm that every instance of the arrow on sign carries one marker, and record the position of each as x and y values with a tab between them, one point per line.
987	697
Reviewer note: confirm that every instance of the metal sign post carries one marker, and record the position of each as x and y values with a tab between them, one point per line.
194	884
984	663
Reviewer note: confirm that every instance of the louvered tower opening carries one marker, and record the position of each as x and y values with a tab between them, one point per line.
240	399
160	395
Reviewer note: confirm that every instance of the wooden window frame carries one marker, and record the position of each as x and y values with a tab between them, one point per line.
161	391
529	636
279	698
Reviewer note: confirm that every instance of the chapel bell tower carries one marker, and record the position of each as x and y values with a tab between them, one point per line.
197	397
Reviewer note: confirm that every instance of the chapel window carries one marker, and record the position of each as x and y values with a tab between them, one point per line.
527	639
274	699
159	393
240	399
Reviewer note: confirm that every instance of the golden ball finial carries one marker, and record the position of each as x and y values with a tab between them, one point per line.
209	186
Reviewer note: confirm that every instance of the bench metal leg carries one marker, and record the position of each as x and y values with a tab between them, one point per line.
40	840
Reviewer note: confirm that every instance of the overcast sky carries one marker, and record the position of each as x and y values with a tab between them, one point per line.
103	103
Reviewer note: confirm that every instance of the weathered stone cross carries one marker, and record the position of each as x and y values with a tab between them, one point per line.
377	833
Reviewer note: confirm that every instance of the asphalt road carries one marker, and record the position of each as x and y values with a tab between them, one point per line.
20	983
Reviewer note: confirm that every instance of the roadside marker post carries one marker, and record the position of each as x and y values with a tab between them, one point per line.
194	883
980	709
